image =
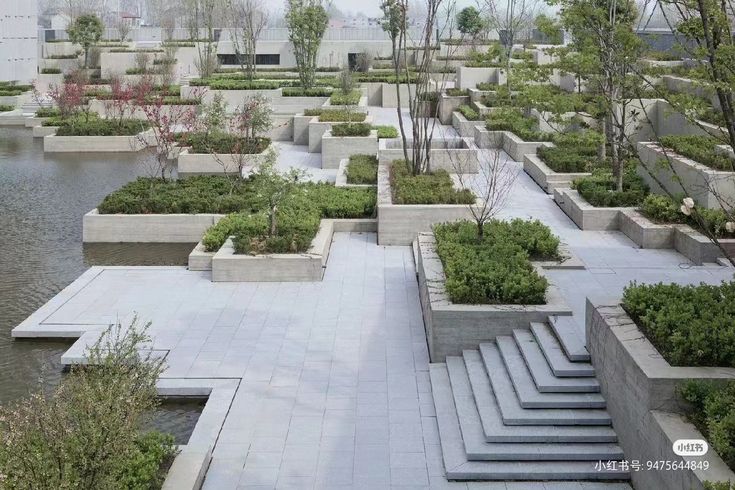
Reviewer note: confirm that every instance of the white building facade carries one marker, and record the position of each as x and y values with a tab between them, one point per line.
18	40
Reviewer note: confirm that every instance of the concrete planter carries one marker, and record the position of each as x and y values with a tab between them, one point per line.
517	148
309	266
464	126
702	183
209	164
146	228
301	128
341	180
317	129
89	144
451	328
469	77
640	387
33	121
399	224
282	129
337	148
455	155
42	131
546	178
12	118
390	99
448	104
585	215
200	259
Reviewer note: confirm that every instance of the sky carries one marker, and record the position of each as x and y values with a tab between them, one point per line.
371	8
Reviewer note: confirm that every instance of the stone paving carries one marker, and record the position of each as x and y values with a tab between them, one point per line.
334	389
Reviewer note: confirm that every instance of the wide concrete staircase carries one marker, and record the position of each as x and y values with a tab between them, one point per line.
525	407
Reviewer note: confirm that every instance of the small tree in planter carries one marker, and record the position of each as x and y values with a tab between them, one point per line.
250	17
86	30
307	21
273	187
470	23
69	97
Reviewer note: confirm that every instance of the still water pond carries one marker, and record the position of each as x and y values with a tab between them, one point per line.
42	200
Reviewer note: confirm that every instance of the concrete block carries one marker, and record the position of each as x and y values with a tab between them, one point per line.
146	228
336	148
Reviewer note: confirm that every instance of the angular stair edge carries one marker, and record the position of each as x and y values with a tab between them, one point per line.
558	361
492	419
457	467
567	333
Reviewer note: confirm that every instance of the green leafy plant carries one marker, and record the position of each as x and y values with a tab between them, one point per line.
469	113
665	209
702	149
339	115
306	92
351	129
86	30
6	108
510	119
599	189
689	325
221	142
427	188
385	131
349	98
362	170
51	71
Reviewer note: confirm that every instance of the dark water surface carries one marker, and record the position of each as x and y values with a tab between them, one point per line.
42	200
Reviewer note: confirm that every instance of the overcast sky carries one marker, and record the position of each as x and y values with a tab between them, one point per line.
372	7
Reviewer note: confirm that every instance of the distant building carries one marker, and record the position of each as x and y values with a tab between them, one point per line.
18	40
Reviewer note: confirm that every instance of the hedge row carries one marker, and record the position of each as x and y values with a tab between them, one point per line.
702	149
351	129
495	269
223	143
664	209
599	189
80	126
508	119
428	188
362	170
340	98
338	115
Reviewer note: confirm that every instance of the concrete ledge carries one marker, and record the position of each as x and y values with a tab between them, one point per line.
644	232
341	180
546	178
464	126
451	328
42	131
200	259
517	148
697	247
486	139
146	228
88	144
309	266
336	148
585	215
188	470
301	129
210	164
636	380
450	154
33	121
448	104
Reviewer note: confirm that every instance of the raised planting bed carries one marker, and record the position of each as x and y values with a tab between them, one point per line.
642	387
323	121
454	155
146	228
429	200
585	215
683	175
465	126
220	154
54	143
358	171
448	104
336	148
469	77
452	327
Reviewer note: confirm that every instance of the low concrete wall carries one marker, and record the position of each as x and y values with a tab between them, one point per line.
643	232
682	175
89	144
210	164
546	178
200	259
469	77
399	224
464	126
451	328
455	155
301	128
309	266
43	131
517	148
448	104
341	179
585	215
146	228
640	386
336	148
390	99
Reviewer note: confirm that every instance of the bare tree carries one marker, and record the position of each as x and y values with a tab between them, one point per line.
123	28
250	18
511	19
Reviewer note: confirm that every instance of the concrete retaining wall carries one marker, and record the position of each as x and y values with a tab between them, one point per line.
585	215
210	164
448	104
451	328
88	144
146	228
389	98
464	126
336	148
640	386
469	77
546	178
455	155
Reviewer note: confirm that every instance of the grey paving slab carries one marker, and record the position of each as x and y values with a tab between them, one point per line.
558	361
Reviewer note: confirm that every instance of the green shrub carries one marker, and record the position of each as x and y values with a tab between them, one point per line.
338	115
701	149
713	413
430	188
51	71
689	325
340	98
6	108
469	113
495	269
147	467
313	112
363	170
487	86
351	129
301	92
47	112
565	159
93	126
458	92
386	131
667	210
224	143
508	119
599	189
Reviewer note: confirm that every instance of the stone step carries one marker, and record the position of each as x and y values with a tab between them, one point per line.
518	364
478	449
558	361
512	411
458	467
568	334
492	420
543	376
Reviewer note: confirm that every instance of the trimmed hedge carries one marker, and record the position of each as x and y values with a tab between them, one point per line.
701	149
100	127
713	413
224	143
469	113
458	92
386	131
340	98
664	209
312	92
599	189
512	120
689	325
495	269
431	188
6	108
362	170
569	159
351	129
337	115
51	71
47	112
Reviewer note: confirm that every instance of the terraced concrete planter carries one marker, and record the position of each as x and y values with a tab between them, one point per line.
464	126
336	148
317	130
455	155
309	266
12	118
341	179
585	215
516	147
469	77
452	328
301	129
448	104
390	99
222	163
146	228
399	224
200	259
702	183
282	129
546	178
90	144
644	232
42	131
640	387
33	121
